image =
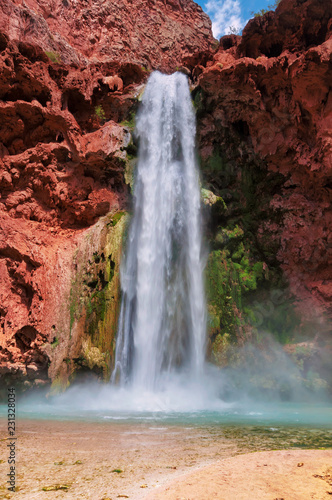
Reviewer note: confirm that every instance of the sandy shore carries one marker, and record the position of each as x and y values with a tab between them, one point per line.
104	460
83	455
269	475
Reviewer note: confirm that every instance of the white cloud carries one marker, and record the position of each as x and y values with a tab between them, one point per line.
224	14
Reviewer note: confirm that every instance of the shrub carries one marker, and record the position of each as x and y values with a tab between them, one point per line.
100	113
264	11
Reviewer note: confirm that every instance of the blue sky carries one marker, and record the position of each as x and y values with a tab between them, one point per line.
235	13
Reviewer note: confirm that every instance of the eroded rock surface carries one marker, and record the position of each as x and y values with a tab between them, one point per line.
266	108
154	33
62	164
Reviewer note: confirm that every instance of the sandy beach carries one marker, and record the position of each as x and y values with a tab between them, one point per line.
269	475
103	460
83	455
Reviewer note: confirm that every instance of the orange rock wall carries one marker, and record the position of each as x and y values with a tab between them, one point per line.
270	89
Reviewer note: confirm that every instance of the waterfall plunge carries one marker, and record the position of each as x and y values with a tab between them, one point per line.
163	318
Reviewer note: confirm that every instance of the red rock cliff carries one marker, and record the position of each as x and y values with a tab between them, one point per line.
155	33
71	71
267	104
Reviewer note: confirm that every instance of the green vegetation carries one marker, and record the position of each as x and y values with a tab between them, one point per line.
231	272
209	198
115	219
100	113
55	342
95	295
264	11
246	292
250	305
54	57
281	320
130	122
93	359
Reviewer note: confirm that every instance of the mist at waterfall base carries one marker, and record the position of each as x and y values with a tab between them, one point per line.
227	396
160	372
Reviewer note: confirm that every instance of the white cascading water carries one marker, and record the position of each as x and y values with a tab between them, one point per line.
162	321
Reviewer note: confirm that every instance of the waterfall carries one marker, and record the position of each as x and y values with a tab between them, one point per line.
162	323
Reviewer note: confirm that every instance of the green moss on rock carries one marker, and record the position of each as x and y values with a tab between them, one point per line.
130	122
95	295
230	274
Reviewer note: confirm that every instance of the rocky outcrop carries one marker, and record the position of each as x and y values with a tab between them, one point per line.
62	162
264	132
85	346
295	26
153	33
62	165
59	300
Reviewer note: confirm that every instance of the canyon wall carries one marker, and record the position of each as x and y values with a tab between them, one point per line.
264	112
72	74
70	83
153	33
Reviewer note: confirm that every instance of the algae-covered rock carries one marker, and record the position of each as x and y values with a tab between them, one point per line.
92	357
213	203
93	304
209	198
220	349
231	273
95	294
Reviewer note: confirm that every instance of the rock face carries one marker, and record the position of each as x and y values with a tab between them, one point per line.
296	26
71	76
264	131
154	33
265	115
62	162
